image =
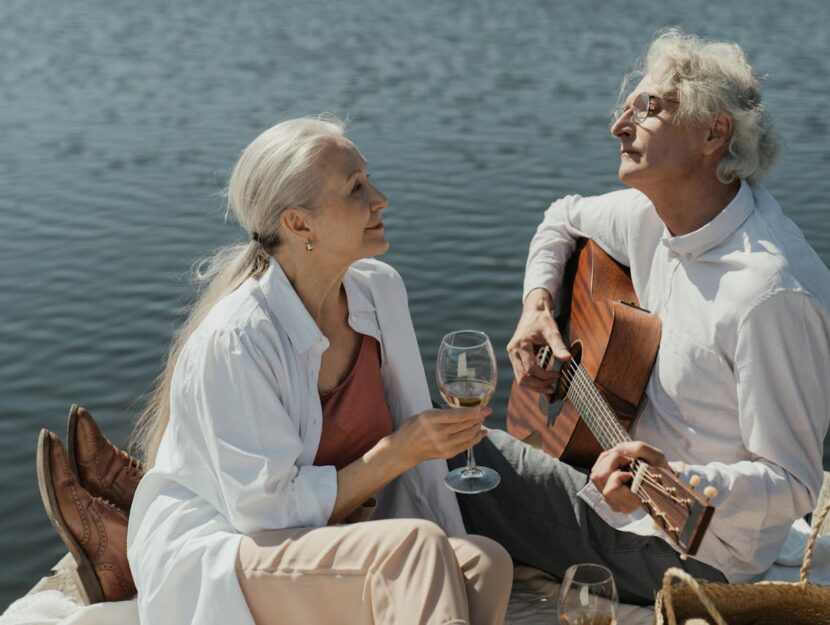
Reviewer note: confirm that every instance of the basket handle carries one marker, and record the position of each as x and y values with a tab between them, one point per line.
665	594
672	573
808	552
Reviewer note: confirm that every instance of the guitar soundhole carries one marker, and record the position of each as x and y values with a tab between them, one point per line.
557	400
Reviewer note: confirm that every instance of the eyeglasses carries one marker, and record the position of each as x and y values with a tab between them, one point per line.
644	105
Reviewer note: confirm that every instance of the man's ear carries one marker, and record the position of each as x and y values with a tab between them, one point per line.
719	134
295	223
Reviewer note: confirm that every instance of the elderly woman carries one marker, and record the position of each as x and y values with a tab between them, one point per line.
295	402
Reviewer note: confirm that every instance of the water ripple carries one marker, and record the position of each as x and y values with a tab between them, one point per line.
121	122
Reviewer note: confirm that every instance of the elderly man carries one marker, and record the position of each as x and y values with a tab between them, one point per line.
739	393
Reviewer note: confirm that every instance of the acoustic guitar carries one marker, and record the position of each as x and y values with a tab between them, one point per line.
613	344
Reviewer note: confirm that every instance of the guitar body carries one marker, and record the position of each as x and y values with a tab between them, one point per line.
616	342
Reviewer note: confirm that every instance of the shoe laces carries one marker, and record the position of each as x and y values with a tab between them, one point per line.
106	502
134	466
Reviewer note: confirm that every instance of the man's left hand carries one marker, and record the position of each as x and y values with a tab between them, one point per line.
611	474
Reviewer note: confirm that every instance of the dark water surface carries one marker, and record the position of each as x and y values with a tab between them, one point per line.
121	120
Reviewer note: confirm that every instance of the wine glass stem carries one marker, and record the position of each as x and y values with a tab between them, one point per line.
471	461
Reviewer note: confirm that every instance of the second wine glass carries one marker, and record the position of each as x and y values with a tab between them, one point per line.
466	373
588	596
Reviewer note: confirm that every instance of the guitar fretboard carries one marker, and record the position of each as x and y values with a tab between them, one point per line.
593	408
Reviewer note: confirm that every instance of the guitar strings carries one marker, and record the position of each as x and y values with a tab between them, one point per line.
620	435
584	389
577	394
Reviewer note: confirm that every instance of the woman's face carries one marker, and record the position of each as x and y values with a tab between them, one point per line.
348	225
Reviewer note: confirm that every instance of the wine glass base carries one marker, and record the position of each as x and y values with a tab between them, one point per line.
472	482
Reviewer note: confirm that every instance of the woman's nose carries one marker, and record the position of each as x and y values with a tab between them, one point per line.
379	200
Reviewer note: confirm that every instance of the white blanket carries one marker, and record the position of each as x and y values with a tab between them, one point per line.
533	601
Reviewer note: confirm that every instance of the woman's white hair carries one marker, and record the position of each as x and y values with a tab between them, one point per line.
276	171
711	77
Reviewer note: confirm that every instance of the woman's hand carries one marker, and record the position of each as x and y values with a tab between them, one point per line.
439	433
425	436
611	476
536	327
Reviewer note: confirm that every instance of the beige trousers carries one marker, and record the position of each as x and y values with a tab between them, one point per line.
397	571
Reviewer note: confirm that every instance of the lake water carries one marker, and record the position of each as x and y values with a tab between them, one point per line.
121	120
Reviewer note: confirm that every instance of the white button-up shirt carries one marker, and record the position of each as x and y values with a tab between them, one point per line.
244	428
740	391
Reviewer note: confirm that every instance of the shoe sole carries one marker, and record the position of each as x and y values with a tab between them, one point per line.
71	427
89	587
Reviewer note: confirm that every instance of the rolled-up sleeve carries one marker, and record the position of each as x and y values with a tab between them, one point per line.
252	444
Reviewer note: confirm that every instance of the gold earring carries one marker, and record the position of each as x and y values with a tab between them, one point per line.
309	245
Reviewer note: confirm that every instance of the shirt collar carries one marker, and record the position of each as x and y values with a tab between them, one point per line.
716	231
283	300
358	302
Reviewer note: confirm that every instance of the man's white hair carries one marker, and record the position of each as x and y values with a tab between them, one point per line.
711	77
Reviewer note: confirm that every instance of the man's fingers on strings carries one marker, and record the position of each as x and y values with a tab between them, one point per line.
522	357
638	449
557	345
607	463
618	493
553	338
612	460
531	375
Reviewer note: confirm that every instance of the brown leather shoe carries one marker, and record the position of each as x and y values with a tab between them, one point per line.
94	530
102	468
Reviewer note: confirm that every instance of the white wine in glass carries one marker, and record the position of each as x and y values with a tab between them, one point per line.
467	393
466	373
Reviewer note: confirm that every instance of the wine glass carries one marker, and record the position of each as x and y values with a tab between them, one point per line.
466	374
588	596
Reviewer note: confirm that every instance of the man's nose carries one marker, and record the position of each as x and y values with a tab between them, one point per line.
623	127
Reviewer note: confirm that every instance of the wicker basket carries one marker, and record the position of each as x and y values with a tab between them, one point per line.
763	603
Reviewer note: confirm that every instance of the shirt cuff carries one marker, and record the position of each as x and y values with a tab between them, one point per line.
541	276
316	491
637	522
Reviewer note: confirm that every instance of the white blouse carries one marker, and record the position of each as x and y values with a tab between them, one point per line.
244	428
740	390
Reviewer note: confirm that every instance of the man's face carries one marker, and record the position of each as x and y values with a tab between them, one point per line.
657	153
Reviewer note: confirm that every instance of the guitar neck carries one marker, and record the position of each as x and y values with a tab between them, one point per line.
601	420
680	512
593	408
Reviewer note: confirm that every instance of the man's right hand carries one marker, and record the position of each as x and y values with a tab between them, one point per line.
536	328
